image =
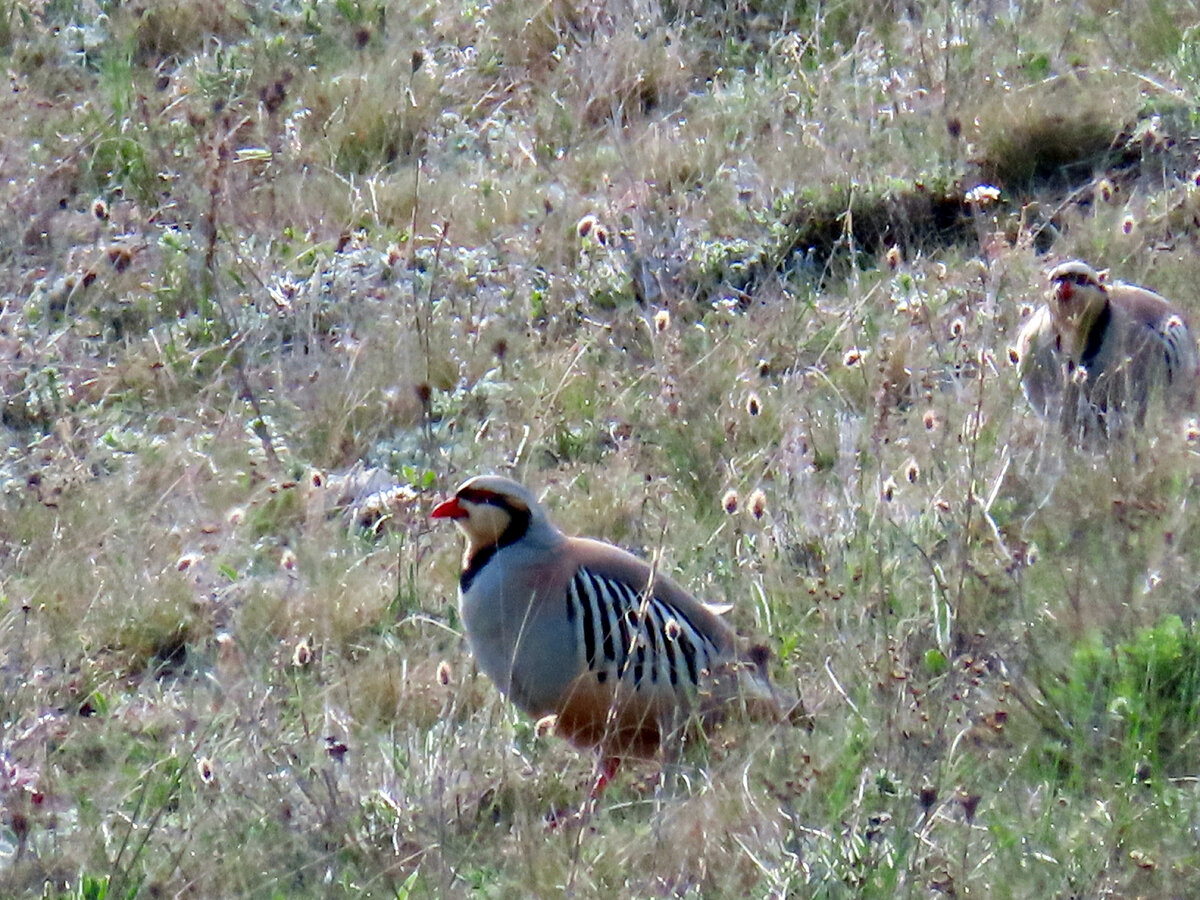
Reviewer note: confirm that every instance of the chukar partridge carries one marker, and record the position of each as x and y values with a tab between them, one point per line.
581	630
1099	351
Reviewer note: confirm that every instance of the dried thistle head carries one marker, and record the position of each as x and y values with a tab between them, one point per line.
969	803
729	502
591	226
753	403
187	561
758	503
302	653
927	796
206	770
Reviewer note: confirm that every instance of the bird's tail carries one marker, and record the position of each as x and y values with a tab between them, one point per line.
745	684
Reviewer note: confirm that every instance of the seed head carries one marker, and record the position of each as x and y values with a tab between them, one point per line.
100	209
758	503
753	403
287	559
730	501
590	225
912	472
206	770
120	257
894	257
969	803
852	357
1014	356
957	327
932	420
662	320
444	673
928	796
889	490
545	725
1128	224
302	655
188	560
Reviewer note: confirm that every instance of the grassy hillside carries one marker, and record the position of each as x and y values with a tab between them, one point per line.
274	277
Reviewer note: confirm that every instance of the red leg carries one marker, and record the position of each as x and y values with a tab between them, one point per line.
606	770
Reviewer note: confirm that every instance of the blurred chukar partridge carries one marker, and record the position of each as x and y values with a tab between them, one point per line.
1100	351
581	630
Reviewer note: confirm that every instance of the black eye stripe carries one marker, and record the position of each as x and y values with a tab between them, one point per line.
482	496
479	495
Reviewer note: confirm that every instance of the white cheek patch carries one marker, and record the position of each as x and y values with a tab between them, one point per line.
486	523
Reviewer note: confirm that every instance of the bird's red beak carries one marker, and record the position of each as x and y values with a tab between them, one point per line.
449	509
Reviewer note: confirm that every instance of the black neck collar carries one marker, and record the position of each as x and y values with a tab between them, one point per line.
1096	336
518	526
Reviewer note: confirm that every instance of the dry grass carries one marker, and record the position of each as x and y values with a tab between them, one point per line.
252	246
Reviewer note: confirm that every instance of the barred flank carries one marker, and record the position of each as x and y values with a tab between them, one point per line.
620	640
